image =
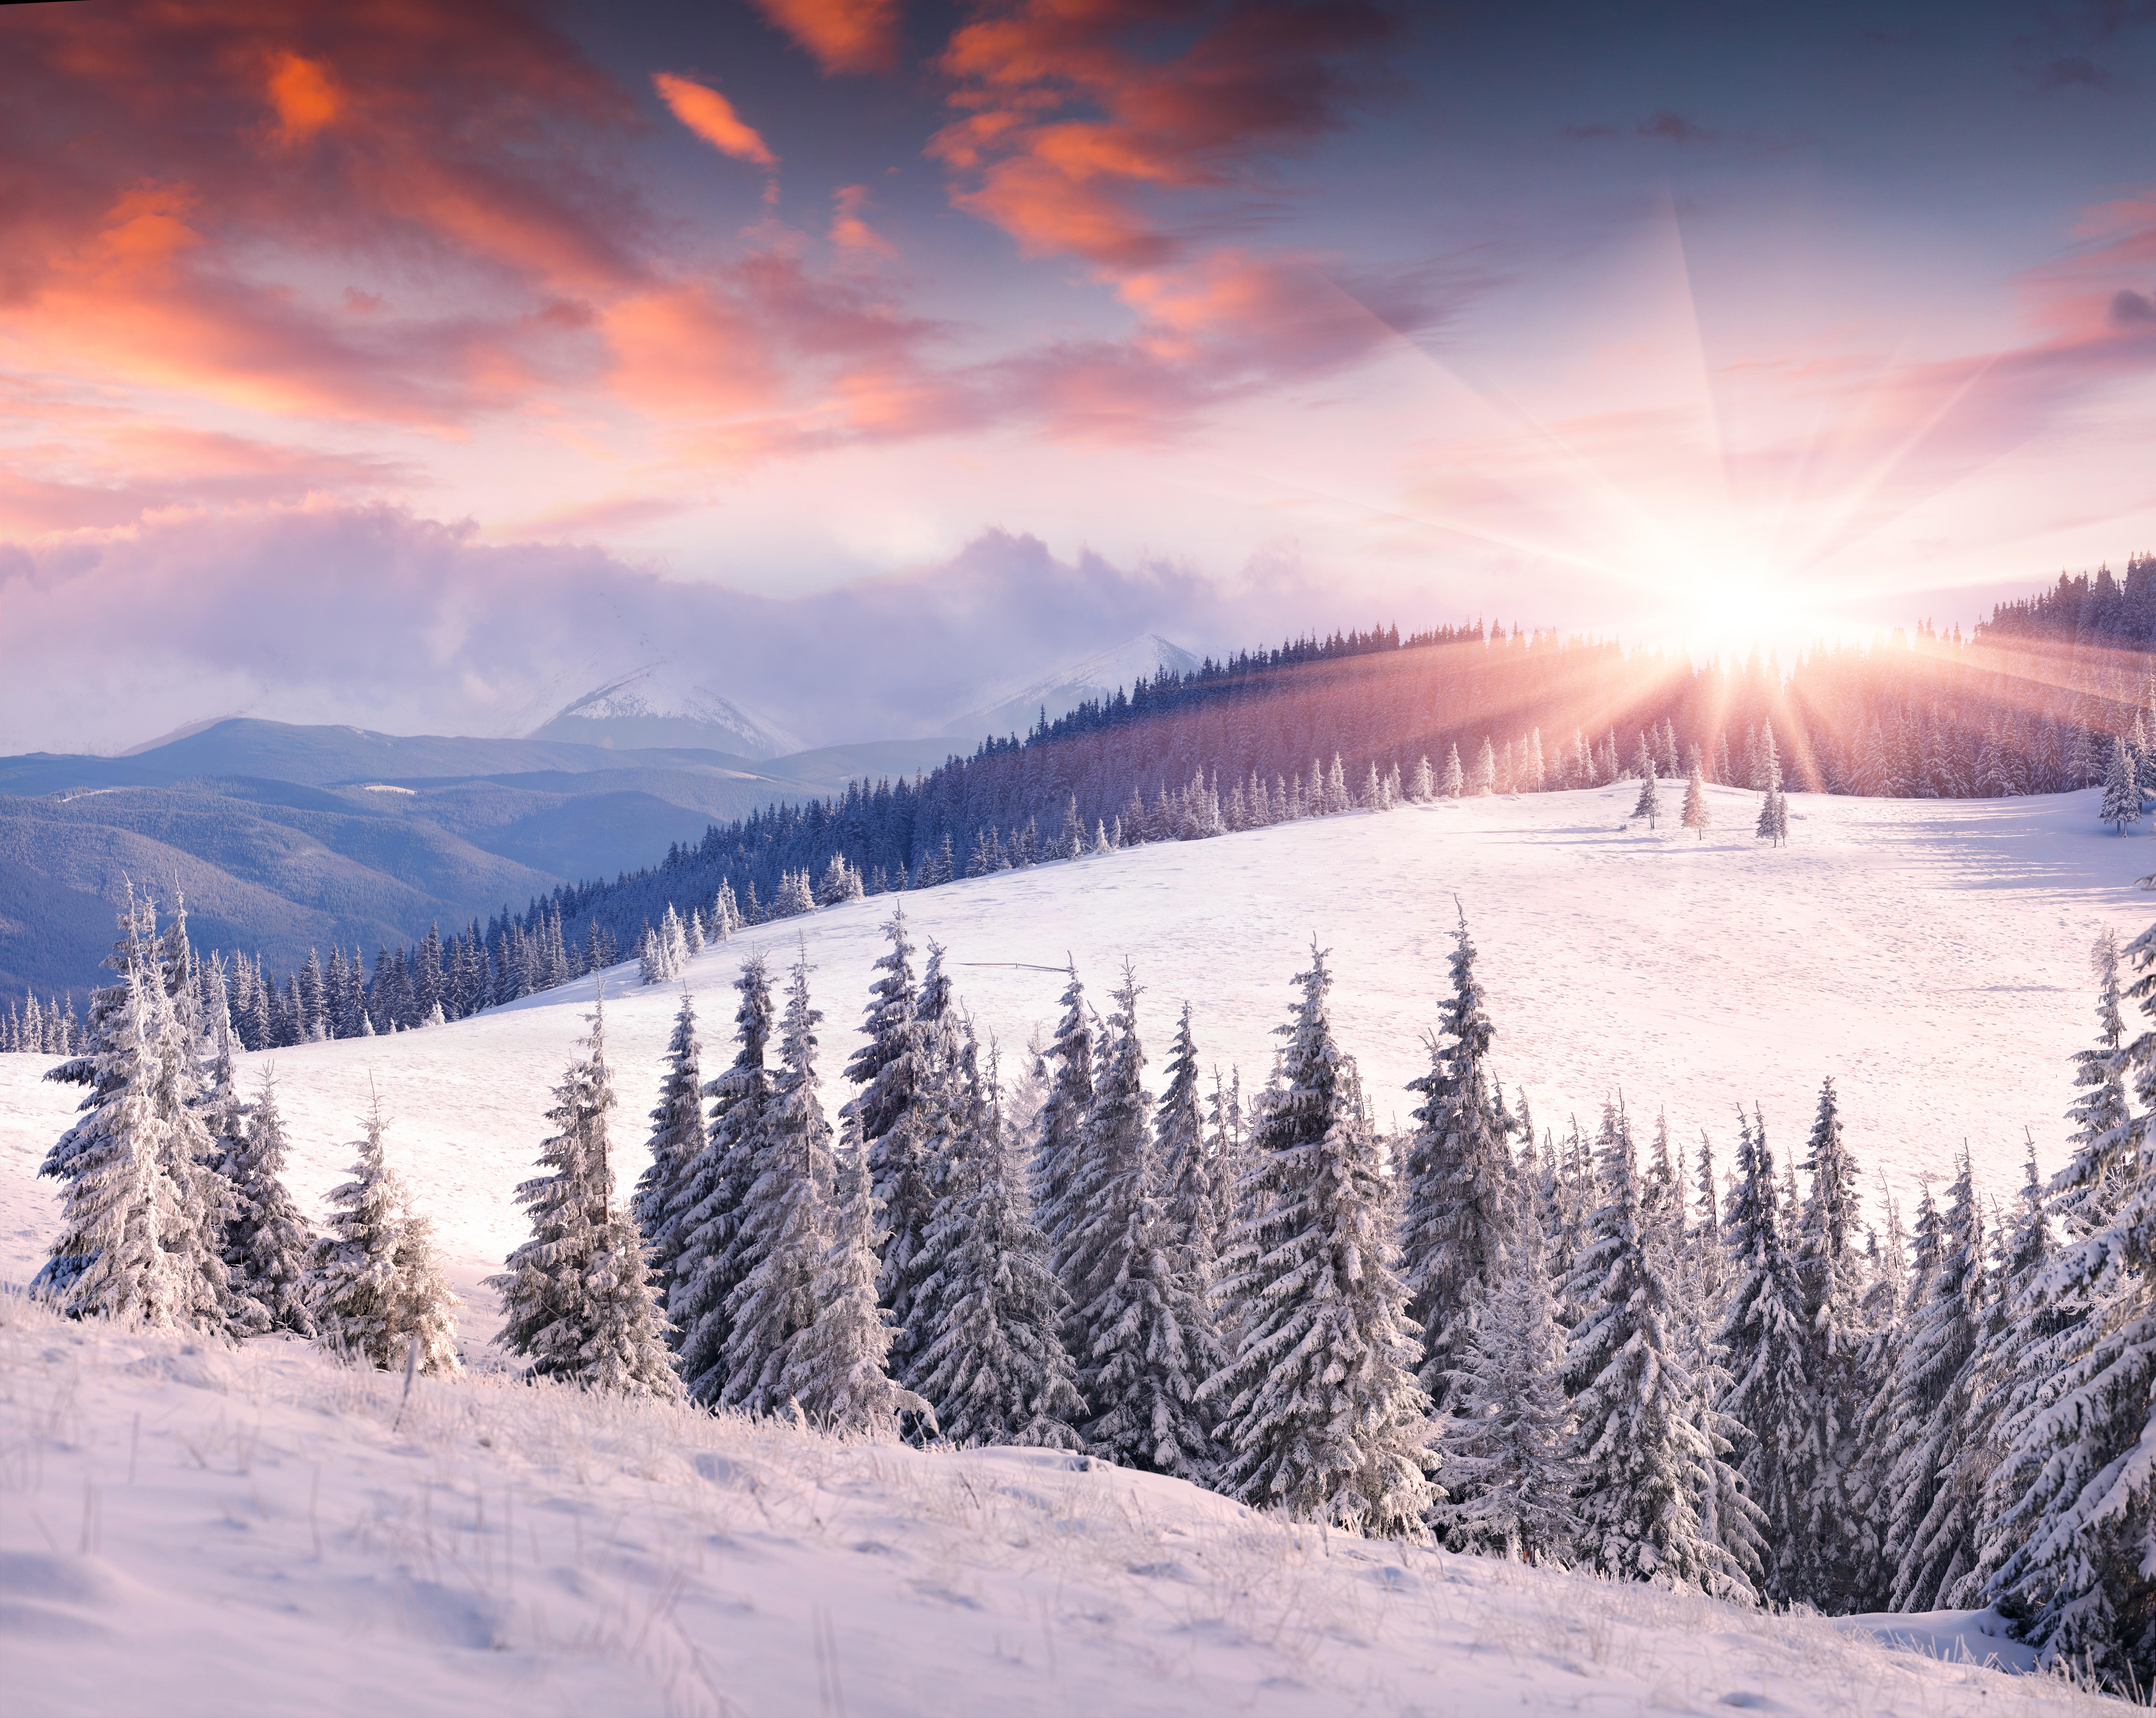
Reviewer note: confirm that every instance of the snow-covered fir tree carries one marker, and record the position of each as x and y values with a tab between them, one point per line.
1833	1274
993	1368
1458	1195
1321	1414
376	1284
1454	784
889	1067
143	1207
703	1224
1649	805
1768	1356
1509	1472
661	1200
786	1219
1698	816
1930	1522
1645	1464
2074	1493
1143	1329
1189	1171
838	1371
1060	1126
578	1296
2122	805
2016	1350
267	1243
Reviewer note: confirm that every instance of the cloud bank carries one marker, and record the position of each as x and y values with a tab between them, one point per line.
372	617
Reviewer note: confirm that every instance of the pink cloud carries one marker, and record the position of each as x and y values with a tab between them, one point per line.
848	231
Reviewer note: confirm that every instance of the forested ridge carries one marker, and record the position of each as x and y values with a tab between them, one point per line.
2030	702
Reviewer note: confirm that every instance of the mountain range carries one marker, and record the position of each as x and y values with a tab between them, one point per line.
282	838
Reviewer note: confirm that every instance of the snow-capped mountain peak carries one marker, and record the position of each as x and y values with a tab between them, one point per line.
668	703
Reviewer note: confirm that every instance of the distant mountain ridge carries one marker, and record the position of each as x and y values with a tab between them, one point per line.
283	839
1015	709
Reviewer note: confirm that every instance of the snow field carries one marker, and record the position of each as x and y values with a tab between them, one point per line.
192	1528
1931	955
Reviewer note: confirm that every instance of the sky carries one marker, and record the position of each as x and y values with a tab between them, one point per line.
421	366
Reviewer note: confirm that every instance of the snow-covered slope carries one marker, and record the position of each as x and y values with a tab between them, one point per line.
193	1530
667	704
188	1529
1930	955
1015	709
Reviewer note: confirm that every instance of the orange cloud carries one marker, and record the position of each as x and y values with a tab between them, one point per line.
462	156
712	118
843	35
1072	111
305	96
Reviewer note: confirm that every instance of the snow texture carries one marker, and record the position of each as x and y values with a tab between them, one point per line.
195	1532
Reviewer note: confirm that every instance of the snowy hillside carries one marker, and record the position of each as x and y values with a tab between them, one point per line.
667	704
193	1530
264	1534
1015	709
1930	955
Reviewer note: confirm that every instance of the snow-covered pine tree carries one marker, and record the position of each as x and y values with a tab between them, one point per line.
1698	815
1143	1321
1646	1465
578	1296
994	1367
1189	1167
1320	1415
1649	805
1931	1523
1506	1444
1454	785
796	895
703	1226
1071	840
1459	1195
838	1371
2015	1360
1768	1355
660	1201
786	1221
2121	805
267	1244
1062	1121
143	1210
376	1283
1833	1274
2077	1490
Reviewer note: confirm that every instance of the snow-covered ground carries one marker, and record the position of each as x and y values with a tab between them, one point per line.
188	1529
1930	955
194	1529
